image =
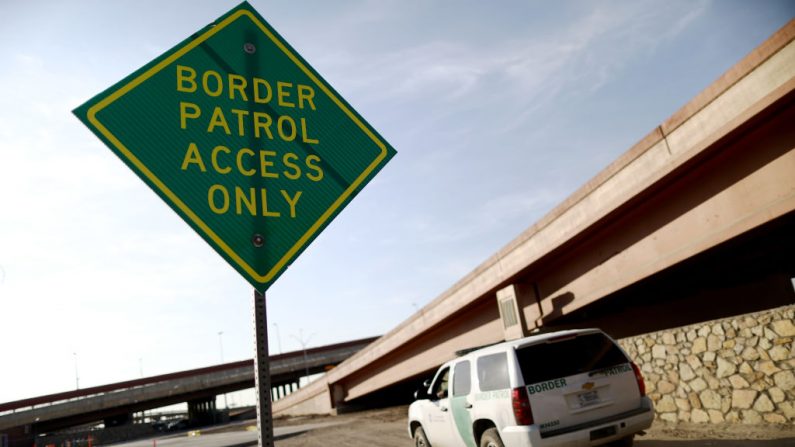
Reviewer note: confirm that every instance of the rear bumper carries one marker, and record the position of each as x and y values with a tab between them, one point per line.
591	434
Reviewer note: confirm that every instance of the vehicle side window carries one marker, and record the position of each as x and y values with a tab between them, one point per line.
493	372
462	383
439	390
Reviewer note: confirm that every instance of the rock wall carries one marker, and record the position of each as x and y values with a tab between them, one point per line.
739	369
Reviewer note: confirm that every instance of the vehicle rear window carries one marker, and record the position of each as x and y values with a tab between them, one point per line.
493	372
568	356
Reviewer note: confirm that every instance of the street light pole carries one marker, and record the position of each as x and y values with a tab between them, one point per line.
278	337
141	371
221	345
77	378
303	345
221	349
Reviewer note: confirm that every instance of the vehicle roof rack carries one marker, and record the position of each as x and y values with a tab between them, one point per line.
549	329
465	351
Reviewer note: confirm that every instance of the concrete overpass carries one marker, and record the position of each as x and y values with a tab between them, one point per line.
115	403
693	222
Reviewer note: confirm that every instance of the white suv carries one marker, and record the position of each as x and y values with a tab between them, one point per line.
568	388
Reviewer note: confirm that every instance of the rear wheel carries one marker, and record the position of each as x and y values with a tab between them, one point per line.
491	438
420	440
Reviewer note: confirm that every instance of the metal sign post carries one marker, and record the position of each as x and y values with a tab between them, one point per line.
262	374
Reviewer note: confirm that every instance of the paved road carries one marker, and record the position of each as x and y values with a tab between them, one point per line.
228	439
387	428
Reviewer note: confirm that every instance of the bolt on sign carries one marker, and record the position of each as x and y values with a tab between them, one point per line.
243	139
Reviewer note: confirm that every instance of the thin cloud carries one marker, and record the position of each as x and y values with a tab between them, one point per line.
485	218
534	71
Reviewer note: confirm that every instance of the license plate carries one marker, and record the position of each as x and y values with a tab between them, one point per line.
603	432
588	398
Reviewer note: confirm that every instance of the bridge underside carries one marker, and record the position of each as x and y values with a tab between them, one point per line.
714	240
722	229
750	273
747	274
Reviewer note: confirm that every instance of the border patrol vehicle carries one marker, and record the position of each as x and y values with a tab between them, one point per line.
567	388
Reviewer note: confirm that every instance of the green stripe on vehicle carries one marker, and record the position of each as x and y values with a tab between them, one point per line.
463	421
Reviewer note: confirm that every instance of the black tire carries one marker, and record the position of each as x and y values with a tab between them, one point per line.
491	438
420	440
624	442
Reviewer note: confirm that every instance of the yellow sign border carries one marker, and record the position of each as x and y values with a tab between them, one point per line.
105	102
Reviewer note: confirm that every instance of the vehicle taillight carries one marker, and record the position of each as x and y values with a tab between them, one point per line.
521	406
639	379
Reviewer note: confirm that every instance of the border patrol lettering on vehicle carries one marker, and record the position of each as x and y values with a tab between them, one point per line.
488	395
548	425
612	371
546	386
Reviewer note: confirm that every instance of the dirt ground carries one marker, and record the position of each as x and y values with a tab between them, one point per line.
387	428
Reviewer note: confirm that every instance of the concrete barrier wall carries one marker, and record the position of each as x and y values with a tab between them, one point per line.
739	369
313	400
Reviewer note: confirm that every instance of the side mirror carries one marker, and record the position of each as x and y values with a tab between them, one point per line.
421	394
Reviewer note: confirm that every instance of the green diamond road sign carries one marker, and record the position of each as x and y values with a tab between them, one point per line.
243	139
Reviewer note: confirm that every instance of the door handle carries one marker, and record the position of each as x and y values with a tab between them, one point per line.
468	405
443	408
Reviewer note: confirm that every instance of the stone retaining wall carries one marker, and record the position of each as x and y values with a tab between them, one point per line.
739	369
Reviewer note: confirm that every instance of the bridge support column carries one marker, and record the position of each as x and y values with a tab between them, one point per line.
519	310
283	390
118	419
18	437
202	411
337	393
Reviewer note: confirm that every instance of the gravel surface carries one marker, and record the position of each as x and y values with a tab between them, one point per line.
387	428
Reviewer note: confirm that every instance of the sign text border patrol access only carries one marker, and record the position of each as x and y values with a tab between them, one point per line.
244	10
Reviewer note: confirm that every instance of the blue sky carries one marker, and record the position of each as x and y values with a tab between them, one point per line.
498	110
